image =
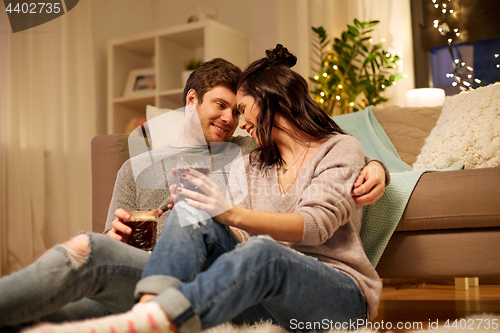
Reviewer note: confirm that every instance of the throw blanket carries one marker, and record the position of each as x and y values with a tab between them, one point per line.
380	219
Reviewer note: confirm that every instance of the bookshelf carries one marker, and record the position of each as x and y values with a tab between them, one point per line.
164	52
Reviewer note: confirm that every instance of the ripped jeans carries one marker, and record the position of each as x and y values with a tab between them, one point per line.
60	287
203	277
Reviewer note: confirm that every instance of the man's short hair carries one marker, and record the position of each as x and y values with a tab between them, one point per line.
212	73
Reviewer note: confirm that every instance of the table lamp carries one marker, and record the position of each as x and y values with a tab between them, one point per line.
424	97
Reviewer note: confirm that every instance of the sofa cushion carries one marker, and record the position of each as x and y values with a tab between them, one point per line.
164	125
467	131
109	152
454	200
407	128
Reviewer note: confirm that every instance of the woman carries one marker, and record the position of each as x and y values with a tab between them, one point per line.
308	272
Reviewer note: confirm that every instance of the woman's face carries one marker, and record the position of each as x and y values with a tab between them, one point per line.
249	110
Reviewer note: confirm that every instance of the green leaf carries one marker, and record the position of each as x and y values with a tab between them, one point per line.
351	37
349	47
337	49
342	43
353	30
358	24
343	63
338	75
399	76
320	31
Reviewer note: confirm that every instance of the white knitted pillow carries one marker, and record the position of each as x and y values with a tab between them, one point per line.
467	131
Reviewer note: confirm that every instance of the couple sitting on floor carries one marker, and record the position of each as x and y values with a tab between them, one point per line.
280	243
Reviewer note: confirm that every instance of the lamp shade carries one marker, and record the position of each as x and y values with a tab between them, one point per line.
425	97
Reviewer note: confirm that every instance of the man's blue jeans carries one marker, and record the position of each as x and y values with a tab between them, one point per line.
54	288
203	277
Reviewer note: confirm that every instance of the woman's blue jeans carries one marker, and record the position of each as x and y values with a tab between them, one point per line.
204	277
57	290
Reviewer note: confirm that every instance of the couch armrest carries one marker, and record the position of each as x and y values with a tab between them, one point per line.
108	153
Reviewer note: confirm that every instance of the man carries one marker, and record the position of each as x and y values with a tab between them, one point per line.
92	276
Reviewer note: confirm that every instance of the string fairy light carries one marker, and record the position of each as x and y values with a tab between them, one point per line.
458	65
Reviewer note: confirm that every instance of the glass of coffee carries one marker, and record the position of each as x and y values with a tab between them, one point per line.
144	225
200	163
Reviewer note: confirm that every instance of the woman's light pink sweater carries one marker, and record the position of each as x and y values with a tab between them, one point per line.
322	195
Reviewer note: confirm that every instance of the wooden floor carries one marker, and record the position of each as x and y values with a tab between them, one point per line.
418	305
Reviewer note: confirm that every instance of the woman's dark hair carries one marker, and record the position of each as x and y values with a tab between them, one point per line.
277	89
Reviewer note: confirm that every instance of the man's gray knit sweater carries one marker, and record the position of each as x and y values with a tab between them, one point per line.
143	181
322	195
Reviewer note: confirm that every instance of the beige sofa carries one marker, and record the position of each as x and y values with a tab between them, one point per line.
451	225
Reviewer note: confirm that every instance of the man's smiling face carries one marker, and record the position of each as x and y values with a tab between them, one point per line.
217	114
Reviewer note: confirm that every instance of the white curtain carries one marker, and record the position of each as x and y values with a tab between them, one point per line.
47	114
334	15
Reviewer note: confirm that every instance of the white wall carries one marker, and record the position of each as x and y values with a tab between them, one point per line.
254	18
112	19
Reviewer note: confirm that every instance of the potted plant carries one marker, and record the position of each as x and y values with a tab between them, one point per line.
189	67
354	71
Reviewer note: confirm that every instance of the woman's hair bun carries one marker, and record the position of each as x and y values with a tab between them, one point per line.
281	54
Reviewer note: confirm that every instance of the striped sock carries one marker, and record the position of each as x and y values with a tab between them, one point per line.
143	318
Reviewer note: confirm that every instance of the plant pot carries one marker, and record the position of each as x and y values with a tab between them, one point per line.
185	75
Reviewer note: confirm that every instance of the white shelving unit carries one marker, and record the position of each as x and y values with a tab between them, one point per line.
165	50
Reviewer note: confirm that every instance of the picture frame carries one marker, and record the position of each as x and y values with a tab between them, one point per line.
140	81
